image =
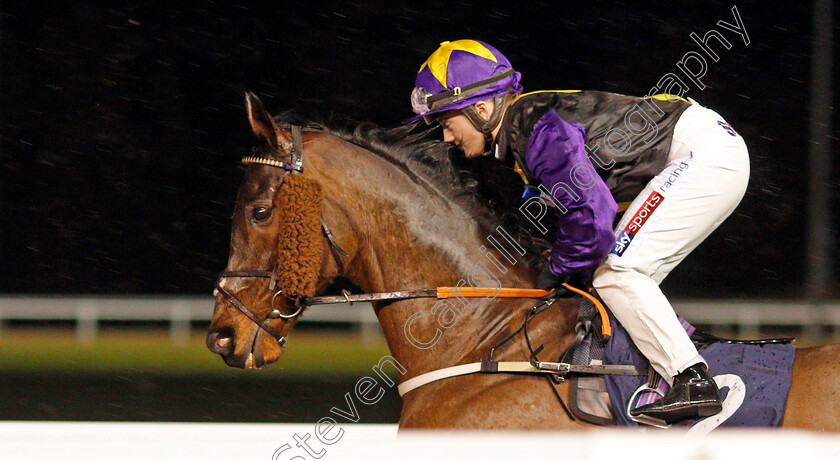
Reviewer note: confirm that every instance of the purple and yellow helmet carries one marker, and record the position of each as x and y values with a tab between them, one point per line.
459	74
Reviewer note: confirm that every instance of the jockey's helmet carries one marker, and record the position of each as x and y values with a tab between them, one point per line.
459	74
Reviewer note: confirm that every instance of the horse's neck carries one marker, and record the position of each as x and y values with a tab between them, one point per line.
405	235
409	236
428	334
405	232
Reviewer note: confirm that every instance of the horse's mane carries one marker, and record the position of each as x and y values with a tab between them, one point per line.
485	188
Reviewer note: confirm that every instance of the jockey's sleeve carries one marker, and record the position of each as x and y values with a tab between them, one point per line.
557	158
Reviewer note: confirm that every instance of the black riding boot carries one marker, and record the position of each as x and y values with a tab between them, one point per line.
693	395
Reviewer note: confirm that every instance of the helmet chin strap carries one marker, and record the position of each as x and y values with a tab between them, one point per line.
485	125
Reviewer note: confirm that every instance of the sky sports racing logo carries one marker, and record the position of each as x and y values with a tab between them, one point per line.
651	203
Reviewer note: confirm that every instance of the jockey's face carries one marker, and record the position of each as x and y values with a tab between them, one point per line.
458	130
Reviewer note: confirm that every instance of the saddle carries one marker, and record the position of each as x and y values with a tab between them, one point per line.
609	376
754	375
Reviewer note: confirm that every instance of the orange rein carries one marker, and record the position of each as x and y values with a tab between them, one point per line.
448	292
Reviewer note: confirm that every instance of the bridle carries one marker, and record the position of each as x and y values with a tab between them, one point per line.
295	166
533	366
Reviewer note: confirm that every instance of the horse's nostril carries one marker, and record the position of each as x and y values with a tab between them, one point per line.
221	341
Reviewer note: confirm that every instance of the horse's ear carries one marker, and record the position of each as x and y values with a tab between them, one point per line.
264	125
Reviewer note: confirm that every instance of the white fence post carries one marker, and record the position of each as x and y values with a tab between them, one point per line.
179	323
86	322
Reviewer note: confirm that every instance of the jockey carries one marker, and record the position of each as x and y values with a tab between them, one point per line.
678	167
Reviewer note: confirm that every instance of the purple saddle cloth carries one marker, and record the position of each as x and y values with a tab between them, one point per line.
764	371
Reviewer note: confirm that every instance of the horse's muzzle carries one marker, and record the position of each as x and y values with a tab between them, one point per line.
221	341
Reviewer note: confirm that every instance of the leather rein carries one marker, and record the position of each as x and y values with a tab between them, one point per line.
295	166
551	370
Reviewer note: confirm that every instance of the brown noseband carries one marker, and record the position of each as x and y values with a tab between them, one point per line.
274	314
295	166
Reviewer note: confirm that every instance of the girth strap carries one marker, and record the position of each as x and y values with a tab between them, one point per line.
521	367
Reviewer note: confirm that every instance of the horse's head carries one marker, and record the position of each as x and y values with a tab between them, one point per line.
406	216
277	249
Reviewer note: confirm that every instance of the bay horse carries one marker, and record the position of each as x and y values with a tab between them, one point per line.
404	217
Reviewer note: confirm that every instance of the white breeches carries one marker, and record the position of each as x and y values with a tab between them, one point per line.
704	180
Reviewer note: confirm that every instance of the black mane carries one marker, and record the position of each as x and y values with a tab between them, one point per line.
485	188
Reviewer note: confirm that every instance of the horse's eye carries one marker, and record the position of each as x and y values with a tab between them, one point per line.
260	214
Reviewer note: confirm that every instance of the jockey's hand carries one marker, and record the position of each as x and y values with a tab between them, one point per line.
549	281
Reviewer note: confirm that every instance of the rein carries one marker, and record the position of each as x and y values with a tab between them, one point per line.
295	166
442	292
553	371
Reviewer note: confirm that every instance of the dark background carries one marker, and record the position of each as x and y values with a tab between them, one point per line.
122	123
227	397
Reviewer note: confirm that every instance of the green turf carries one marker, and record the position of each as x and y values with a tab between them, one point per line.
306	354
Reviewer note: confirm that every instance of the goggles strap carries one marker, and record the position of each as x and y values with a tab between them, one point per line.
447	97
